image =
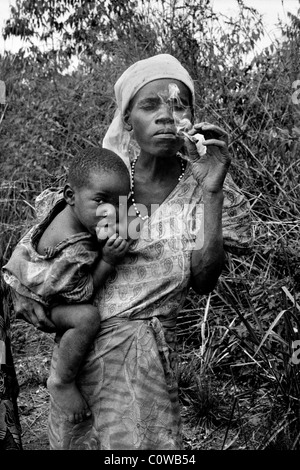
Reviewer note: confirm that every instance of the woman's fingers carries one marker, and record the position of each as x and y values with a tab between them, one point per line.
32	312
43	322
39	321
217	143
206	126
37	316
209	131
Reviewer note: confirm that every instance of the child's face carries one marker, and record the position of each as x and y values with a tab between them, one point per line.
154	114
100	199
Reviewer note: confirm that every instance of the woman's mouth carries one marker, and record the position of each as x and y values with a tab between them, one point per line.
166	134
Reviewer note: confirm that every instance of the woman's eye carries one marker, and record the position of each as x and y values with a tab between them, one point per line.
150	104
149	107
178	109
177	106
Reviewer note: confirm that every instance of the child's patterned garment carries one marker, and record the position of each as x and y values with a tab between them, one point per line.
63	274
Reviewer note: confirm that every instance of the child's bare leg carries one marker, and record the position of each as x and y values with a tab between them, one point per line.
79	324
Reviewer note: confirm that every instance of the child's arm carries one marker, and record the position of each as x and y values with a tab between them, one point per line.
113	251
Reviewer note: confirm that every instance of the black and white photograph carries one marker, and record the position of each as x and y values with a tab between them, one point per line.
150	228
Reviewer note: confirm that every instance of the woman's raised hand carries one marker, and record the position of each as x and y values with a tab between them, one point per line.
211	168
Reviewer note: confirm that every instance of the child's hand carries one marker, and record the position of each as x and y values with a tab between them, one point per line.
114	249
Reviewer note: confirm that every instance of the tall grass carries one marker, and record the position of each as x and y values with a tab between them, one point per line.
237	346
244	333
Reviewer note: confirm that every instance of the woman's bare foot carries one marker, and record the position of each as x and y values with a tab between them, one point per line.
69	399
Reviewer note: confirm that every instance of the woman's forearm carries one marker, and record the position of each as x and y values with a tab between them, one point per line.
208	255
101	273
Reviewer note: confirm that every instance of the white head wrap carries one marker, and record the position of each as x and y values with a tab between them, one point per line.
117	138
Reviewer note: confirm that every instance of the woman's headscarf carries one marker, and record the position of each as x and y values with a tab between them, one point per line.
117	138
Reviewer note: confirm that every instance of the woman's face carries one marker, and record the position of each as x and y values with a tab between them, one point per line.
154	114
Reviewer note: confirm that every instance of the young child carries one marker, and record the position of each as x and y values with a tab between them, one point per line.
60	262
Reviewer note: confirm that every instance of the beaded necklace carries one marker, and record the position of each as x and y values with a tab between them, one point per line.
145	217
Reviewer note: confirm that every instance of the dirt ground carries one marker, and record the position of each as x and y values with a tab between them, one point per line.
32	352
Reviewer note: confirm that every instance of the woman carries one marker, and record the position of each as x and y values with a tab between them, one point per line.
183	209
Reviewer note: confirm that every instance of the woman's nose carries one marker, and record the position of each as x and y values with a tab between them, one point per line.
166	113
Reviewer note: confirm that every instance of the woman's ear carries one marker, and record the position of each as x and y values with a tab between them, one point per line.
126	121
69	195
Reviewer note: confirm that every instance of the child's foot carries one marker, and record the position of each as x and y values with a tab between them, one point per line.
69	399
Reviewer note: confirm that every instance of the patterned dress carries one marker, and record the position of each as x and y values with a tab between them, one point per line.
129	377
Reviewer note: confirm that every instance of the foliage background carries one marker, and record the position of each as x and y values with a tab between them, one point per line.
239	382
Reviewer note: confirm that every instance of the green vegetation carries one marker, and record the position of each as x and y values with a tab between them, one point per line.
239	378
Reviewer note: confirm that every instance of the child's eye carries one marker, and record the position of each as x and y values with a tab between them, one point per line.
99	201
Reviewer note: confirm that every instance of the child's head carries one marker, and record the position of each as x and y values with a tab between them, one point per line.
97	179
96	160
